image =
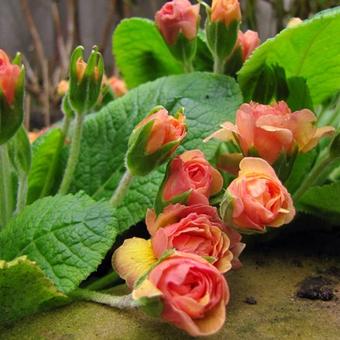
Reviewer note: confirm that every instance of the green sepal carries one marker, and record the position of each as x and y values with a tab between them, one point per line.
138	161
284	164
167	253
184	50
221	39
11	116
84	92
151	306
66	107
234	62
19	150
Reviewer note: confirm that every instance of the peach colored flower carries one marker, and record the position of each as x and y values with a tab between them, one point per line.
195	229
62	87
165	129
178	16
118	86
256	199
193	292
225	11
248	41
270	130
191	172
9	75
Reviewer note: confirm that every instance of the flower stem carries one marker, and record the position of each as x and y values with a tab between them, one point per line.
188	68
122	188
218	65
22	192
315	174
66	125
6	199
120	302
103	282
73	156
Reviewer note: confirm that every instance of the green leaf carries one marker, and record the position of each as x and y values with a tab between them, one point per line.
67	236
308	51
208	101
46	158
141	53
322	201
24	290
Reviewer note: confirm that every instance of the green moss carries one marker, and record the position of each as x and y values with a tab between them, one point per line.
270	278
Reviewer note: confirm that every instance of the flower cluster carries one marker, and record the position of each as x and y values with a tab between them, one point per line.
189	250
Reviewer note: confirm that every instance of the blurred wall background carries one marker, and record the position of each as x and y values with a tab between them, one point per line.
45	31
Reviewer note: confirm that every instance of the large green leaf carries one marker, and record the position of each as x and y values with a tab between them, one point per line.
208	100
141	53
46	153
24	290
67	236
322	201
309	52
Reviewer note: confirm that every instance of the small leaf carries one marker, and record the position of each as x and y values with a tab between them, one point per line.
141	53
46	159
322	201
24	290
67	236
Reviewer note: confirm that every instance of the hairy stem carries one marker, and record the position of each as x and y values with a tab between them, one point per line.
122	189
22	192
73	156
6	199
120	302
103	282
218	65
313	177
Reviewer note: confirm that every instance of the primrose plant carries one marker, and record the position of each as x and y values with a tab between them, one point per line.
190	154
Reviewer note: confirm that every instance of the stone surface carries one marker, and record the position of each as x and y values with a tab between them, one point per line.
271	275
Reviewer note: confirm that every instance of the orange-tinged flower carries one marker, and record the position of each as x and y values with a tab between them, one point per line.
9	75
178	16
225	11
195	229
118	86
80	68
191	172
193	293
273	129
248	41
257	199
62	87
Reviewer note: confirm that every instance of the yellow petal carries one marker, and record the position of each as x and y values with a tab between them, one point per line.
133	259
146	289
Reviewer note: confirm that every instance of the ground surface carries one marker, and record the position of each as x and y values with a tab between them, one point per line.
264	303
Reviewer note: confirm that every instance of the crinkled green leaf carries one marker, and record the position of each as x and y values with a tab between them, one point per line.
208	100
67	236
46	159
141	53
24	290
308	51
322	201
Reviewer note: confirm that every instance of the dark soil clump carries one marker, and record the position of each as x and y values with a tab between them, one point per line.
316	288
250	300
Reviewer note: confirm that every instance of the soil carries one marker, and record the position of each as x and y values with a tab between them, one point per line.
316	288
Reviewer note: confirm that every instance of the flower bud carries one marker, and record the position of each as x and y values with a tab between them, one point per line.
62	88
154	140
222	27
248	42
256	199
117	86
225	11
178	22
85	79
12	78
189	179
